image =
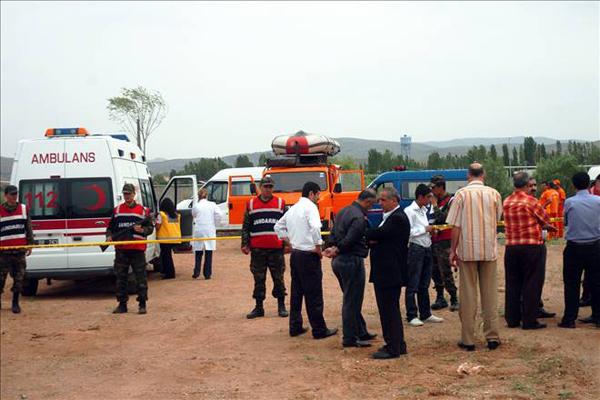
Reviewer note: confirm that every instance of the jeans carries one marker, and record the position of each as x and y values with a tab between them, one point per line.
419	274
350	272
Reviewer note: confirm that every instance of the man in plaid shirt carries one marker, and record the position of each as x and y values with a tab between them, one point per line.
524	258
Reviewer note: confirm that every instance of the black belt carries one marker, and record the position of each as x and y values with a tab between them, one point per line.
594	243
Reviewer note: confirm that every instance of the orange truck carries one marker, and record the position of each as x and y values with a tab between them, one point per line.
301	158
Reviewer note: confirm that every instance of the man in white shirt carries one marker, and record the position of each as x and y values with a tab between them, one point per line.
300	228
420	259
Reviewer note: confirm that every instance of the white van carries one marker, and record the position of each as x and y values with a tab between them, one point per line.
183	189
594	172
71	181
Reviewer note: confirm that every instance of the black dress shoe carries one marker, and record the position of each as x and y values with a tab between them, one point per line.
568	325
513	324
383	348
493	344
588	320
585	302
298	333
383	355
537	325
368	336
545	314
358	343
326	334
467	347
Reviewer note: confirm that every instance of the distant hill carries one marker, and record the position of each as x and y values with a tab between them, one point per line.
357	148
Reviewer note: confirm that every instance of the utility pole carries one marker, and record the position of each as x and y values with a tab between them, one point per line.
139	135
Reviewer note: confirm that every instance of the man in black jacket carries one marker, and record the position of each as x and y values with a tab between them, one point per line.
350	250
389	248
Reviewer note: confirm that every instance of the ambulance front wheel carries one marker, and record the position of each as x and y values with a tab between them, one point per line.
30	287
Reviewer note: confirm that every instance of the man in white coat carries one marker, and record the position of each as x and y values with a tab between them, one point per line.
207	215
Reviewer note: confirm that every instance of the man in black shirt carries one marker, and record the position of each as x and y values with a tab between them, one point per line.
349	251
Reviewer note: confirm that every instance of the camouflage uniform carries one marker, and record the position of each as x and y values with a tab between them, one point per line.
260	260
137	260
13	261
442	269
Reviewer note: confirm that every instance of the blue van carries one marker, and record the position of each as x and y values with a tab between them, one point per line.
406	182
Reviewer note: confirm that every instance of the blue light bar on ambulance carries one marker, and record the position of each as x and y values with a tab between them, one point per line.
50	132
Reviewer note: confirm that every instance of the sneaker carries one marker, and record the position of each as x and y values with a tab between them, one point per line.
434	319
415	322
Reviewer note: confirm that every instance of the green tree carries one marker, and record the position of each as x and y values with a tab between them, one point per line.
262	160
558	147
434	161
560	167
139	111
505	155
529	149
159	179
521	155
172	173
515	156
204	168
374	161
346	162
496	176
493	153
243	161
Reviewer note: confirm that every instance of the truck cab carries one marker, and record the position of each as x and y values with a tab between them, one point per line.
296	166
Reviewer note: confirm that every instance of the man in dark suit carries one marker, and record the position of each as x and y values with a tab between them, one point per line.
389	248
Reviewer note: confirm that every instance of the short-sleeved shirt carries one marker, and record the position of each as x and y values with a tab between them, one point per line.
523	220
582	217
476	210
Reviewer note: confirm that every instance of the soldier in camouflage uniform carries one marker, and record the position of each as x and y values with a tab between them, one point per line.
15	230
265	248
442	270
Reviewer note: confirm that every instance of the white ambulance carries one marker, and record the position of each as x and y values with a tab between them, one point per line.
71	181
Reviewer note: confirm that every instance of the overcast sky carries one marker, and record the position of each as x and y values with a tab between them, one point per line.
237	74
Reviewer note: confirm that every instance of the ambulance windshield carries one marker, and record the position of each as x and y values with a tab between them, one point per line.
287	182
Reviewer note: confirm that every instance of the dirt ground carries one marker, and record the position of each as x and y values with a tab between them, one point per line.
195	343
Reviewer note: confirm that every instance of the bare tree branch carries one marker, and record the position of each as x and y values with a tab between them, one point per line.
136	104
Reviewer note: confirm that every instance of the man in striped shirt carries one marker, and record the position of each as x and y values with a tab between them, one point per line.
474	215
525	257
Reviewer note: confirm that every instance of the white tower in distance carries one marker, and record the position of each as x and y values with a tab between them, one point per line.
405	142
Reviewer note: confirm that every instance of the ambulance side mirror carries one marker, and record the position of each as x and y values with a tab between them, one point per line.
337	188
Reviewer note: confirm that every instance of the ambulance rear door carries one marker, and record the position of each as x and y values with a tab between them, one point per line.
180	189
39	175
241	189
89	200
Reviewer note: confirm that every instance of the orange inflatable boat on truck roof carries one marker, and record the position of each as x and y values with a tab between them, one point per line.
301	158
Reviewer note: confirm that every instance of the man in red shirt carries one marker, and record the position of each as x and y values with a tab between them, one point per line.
524	258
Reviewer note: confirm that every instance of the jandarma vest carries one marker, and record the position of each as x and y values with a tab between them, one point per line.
12	226
263	217
125	217
445	234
